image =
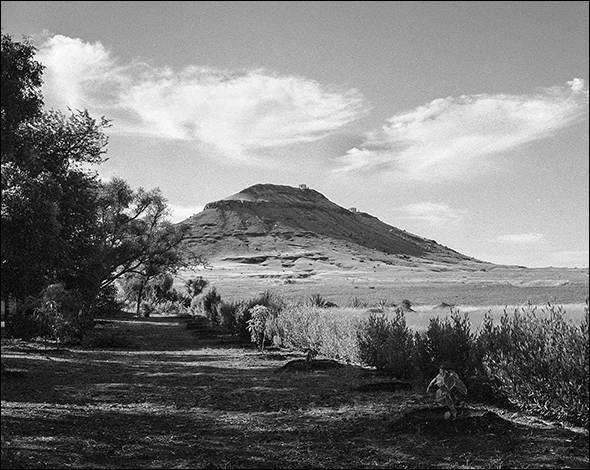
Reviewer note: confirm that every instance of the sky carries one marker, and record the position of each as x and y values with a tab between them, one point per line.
462	122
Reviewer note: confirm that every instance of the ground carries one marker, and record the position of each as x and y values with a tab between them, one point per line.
177	398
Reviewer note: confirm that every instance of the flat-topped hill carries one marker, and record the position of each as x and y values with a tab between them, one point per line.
276	220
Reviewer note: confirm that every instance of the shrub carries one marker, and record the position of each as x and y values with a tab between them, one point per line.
172	307
227	312
316	300
107	302
147	308
259	315
451	390
447	340
243	314
386	344
306	328
372	337
540	361
56	314
356	302
195	286
209	302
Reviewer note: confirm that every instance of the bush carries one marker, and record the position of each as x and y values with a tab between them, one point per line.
172	307
304	328
243	314
147	308
316	300
387	345
540	361
227	312
356	302
372	337
451	390
195	286
209	302
448	340
107	302
56	314
259	315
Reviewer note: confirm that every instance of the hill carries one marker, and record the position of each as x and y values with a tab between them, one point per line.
282	222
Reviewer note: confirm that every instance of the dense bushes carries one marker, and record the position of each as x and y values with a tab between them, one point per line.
235	317
55	314
537	360
305	327
447	340
386	344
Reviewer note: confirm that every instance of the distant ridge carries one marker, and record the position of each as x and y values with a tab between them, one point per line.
268	220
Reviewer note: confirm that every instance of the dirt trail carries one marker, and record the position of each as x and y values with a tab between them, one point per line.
158	333
187	400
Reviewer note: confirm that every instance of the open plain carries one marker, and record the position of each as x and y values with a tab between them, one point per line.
353	281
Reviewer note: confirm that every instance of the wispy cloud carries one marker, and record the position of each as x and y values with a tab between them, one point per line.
179	213
520	238
443	139
237	112
432	213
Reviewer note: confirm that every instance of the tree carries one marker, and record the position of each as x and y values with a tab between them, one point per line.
48	190
20	86
135	236
60	223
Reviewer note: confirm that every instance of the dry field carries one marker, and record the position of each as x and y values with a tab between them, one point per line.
179	399
348	278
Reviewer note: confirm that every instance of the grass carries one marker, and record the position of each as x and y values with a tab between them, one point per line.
184	400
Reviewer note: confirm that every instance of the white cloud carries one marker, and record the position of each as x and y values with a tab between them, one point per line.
433	213
179	213
235	112
443	139
520	238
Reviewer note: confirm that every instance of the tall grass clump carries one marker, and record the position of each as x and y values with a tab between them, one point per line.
356	302
305	327
386	344
540	360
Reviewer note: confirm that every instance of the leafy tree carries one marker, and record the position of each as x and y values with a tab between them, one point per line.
136	237
20	86
48	190
60	223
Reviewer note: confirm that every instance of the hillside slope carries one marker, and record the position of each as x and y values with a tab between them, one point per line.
267	220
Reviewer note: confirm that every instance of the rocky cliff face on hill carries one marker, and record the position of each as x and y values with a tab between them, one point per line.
267	220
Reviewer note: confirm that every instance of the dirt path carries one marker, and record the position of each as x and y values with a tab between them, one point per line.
183	400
